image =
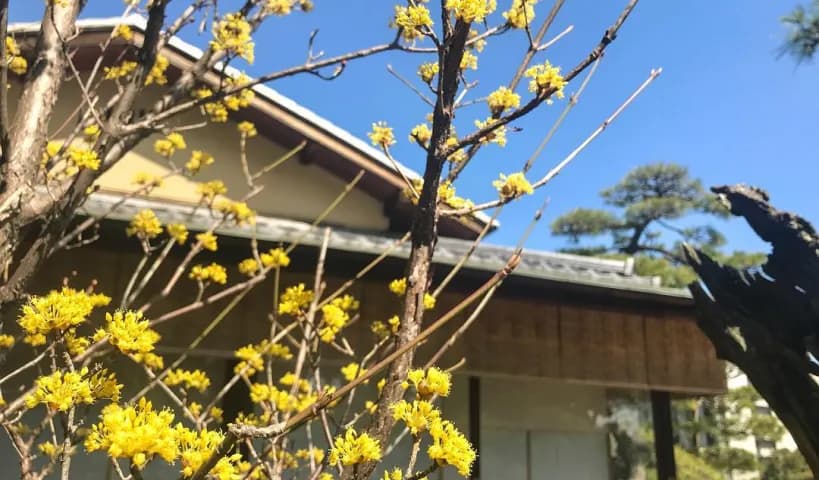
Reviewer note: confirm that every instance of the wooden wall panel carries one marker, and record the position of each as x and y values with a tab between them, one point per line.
513	336
657	351
635	342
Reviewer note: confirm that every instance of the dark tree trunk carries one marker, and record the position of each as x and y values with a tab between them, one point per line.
766	321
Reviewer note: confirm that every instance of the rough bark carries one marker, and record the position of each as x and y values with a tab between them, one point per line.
423	236
766	320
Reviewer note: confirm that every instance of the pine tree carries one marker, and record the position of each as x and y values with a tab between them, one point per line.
654	205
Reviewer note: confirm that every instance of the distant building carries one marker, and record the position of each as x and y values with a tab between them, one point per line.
760	447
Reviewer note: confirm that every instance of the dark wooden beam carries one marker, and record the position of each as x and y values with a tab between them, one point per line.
475	423
663	435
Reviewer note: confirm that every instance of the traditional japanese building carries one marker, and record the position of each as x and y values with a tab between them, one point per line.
572	354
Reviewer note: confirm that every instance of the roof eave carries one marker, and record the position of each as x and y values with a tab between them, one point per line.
474	223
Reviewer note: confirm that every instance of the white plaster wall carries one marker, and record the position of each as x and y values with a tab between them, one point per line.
541	430
293	190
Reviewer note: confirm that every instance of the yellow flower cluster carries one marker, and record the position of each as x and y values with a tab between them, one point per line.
209	190
418	415
383	330
129	332
252	356
273	258
399	287
218	111
144	225
135	432
249	267
49	449
212	273
247	129
52	150
83	158
421	134
471	10
289	379
278	7
352	449
546	78
208	241
232	34
188	379
91	133
469	61
140	433
513	186
179	232
446	194
294	300
148	180
317	455
170	144
6	341
501	100
497	136
395	474
239	212
450	447
335	316
273	398
198	160
352	370
16	63
521	13
277	398
346	303
474	43
457	156
417	186
413	20
59	311
124	32
157	73
427	71
119	71
63	390
430	382
75	345
381	135
195	448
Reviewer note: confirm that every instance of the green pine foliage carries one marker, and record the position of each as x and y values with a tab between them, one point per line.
803	32
648	217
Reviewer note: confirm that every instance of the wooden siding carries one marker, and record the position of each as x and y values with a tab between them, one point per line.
593	345
515	336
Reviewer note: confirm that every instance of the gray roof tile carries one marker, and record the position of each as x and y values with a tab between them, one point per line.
535	264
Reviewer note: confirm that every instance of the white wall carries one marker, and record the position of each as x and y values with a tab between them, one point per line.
294	190
541	430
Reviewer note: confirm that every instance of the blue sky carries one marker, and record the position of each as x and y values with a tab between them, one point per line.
725	106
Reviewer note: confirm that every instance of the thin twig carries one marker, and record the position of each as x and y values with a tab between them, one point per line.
409	85
574	153
22	368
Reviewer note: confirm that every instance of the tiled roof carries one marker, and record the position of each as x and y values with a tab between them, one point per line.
535	264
